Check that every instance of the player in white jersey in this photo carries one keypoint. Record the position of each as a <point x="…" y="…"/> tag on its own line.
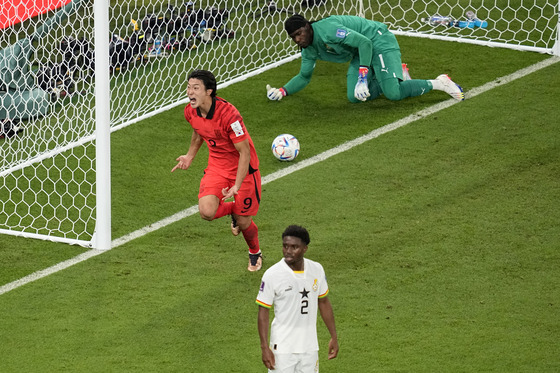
<point x="296" y="287"/>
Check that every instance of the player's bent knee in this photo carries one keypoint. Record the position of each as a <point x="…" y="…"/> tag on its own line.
<point x="206" y="217"/>
<point x="207" y="207"/>
<point x="393" y="96"/>
<point x="207" y="214"/>
<point x="392" y="89"/>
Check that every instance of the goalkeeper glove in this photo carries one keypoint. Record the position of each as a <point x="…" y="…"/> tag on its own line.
<point x="275" y="94"/>
<point x="361" y="91"/>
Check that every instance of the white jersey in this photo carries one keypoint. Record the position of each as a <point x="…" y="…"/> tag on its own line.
<point x="294" y="296"/>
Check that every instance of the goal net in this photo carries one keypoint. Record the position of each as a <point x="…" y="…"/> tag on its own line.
<point x="531" y="25"/>
<point x="48" y="86"/>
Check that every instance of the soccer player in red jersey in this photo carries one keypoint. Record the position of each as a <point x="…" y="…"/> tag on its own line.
<point x="233" y="165"/>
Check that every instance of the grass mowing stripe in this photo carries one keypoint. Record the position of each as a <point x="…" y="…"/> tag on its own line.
<point x="49" y="271"/>
<point x="285" y="171"/>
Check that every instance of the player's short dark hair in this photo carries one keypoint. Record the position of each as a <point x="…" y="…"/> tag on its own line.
<point x="207" y="78"/>
<point x="297" y="231"/>
<point x="294" y="23"/>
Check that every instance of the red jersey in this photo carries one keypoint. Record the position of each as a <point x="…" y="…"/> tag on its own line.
<point x="221" y="129"/>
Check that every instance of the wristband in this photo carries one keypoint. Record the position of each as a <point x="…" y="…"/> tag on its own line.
<point x="363" y="71"/>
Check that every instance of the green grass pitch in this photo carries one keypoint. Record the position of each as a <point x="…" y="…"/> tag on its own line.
<point x="440" y="239"/>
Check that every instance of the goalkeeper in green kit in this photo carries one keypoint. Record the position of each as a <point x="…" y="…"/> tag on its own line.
<point x="374" y="55"/>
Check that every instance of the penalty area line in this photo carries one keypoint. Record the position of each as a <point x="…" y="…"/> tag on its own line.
<point x="285" y="171"/>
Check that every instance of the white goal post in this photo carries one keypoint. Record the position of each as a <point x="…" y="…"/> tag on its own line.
<point x="76" y="70"/>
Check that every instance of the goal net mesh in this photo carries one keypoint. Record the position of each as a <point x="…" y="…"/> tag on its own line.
<point x="47" y="80"/>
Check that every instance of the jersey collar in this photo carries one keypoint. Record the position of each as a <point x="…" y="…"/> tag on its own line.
<point x="211" y="112"/>
<point x="290" y="268"/>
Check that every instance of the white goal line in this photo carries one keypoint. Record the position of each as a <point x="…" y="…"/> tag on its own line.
<point x="285" y="171"/>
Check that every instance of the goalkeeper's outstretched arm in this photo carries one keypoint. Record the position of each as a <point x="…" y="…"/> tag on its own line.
<point x="296" y="84"/>
<point x="293" y="86"/>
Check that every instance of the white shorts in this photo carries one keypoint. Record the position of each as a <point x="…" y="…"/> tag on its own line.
<point x="307" y="362"/>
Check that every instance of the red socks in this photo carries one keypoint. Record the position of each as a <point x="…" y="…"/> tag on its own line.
<point x="251" y="236"/>
<point x="224" y="209"/>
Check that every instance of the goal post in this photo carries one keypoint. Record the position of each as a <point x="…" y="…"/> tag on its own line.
<point x="556" y="47"/>
<point x="102" y="235"/>
<point x="98" y="66"/>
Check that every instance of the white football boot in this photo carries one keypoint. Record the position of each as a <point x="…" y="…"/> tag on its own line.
<point x="444" y="83"/>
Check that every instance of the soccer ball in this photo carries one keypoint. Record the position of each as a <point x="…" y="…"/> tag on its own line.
<point x="285" y="147"/>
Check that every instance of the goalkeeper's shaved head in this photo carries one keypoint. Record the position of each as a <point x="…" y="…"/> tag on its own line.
<point x="207" y="78"/>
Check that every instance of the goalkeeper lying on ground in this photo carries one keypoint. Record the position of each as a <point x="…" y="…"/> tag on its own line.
<point x="374" y="55"/>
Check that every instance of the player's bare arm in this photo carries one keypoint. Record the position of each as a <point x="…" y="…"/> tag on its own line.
<point x="267" y="354"/>
<point x="184" y="161"/>
<point x="327" y="314"/>
<point x="242" y="168"/>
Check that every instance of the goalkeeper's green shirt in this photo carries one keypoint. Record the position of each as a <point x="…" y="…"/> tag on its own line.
<point x="339" y="39"/>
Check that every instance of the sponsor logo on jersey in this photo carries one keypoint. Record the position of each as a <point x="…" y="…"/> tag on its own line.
<point x="290" y="288"/>
<point x="237" y="128"/>
<point x="340" y="33"/>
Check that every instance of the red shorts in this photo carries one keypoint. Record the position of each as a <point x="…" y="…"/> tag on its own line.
<point x="248" y="197"/>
